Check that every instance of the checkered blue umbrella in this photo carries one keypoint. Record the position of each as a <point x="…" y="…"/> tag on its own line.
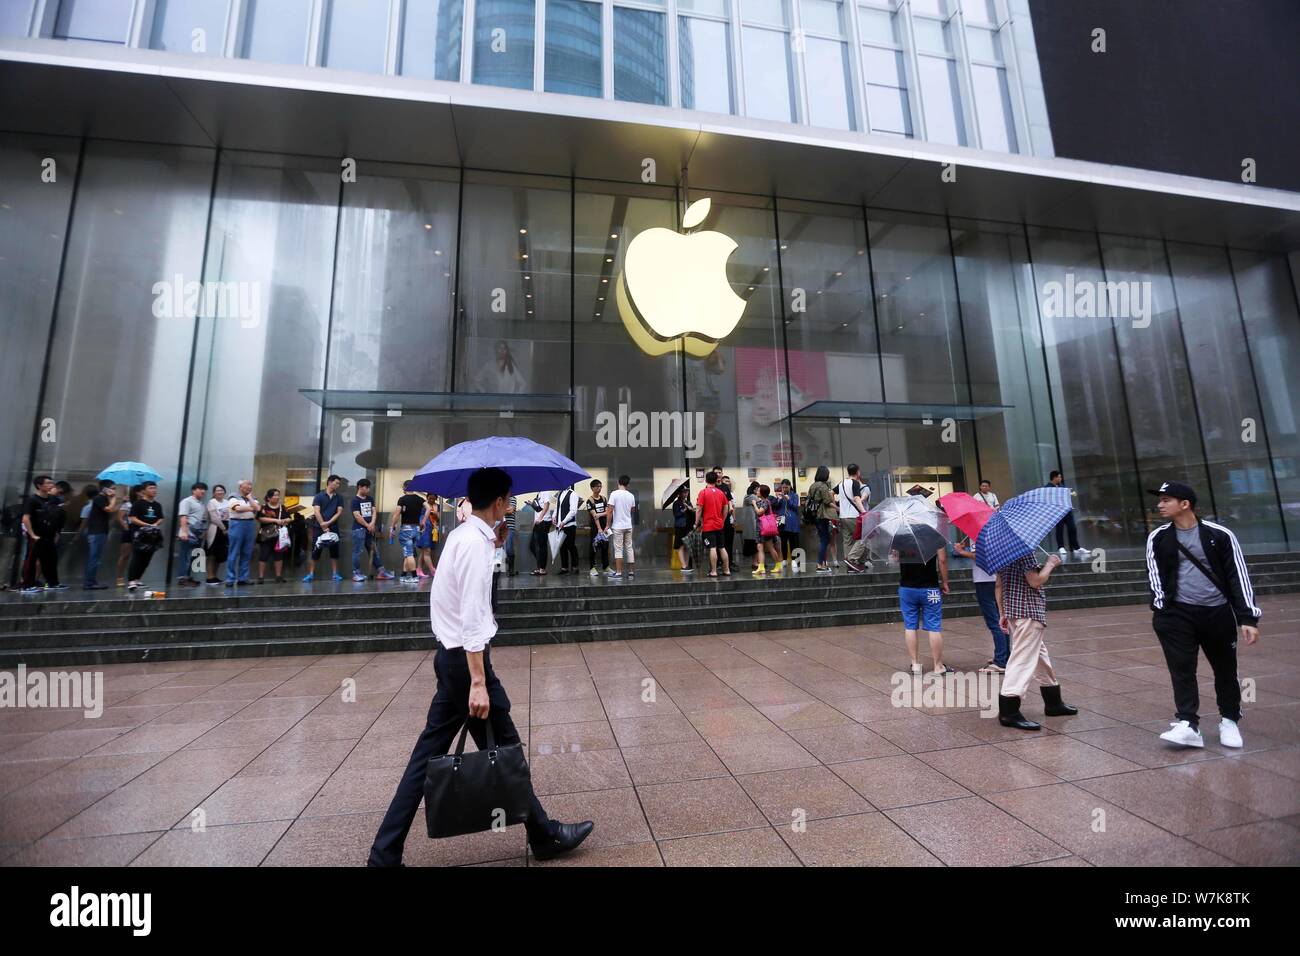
<point x="1015" y="529"/>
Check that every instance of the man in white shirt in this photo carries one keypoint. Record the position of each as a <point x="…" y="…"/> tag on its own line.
<point x="621" y="504"/>
<point x="460" y="610"/>
<point x="986" y="595"/>
<point x="853" y="495"/>
<point x="986" y="494"/>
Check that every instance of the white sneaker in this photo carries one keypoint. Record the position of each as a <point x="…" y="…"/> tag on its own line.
<point x="594" y="572"/>
<point x="1062" y="552"/>
<point x="1180" y="732"/>
<point x="1229" y="733"/>
<point x="1082" y="553"/>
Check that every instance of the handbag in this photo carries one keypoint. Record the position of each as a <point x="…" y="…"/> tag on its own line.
<point x="767" y="524"/>
<point x="282" y="542"/>
<point x="470" y="793"/>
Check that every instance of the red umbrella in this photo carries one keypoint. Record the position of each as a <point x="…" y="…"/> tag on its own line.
<point x="967" y="513"/>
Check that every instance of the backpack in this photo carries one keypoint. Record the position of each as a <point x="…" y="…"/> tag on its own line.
<point x="811" y="509"/>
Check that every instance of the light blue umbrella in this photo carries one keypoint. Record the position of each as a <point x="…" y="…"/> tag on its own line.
<point x="128" y="473"/>
<point x="1015" y="529"/>
<point x="532" y="467"/>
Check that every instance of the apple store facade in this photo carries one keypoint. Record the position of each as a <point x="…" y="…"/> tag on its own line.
<point x="324" y="291"/>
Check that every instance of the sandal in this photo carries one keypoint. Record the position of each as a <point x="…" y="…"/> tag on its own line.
<point x="712" y="574"/>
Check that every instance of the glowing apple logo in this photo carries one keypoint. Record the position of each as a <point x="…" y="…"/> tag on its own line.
<point x="674" y="286"/>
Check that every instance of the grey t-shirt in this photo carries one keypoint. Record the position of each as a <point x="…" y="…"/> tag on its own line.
<point x="1193" y="586"/>
<point x="197" y="513"/>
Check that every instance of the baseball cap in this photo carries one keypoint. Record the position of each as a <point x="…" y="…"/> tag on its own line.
<point x="1175" y="489"/>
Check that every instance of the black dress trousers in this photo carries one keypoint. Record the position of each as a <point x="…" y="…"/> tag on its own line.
<point x="447" y="714"/>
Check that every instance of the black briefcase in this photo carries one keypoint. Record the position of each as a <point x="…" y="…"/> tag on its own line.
<point x="469" y="793"/>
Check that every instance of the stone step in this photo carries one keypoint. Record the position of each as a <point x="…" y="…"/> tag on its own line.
<point x="221" y="600"/>
<point x="413" y="634"/>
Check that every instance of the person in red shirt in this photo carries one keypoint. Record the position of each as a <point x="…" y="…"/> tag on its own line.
<point x="710" y="517"/>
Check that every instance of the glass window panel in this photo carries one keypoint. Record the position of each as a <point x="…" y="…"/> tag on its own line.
<point x="717" y="8"/>
<point x="878" y="25"/>
<point x="431" y="37"/>
<point x="276" y="30"/>
<point x="273" y="228"/>
<point x="503" y="43"/>
<point x="889" y="109"/>
<point x="830" y="83"/>
<point x="772" y="12"/>
<point x="822" y="16"/>
<point x="941" y="100"/>
<point x="356" y="35"/>
<point x="610" y="369"/>
<point x="1220" y="360"/>
<point x="937" y="7"/>
<point x="1004" y="355"/>
<point x="1273" y="331"/>
<point x="33" y="221"/>
<point x="640" y="57"/>
<point x="983" y="44"/>
<point x="704" y="51"/>
<point x="769" y="76"/>
<point x="993" y="103"/>
<point x="1153" y="362"/>
<point x="978" y="11"/>
<point x="106" y="20"/>
<point x="175" y="23"/>
<point x="516" y="255"/>
<point x="931" y="35"/>
<point x="137" y="240"/>
<point x="1092" y="419"/>
<point x="573" y="47"/>
<point x="15" y="17"/>
<point x="393" y="284"/>
<point x="883" y="66"/>
<point x="921" y="345"/>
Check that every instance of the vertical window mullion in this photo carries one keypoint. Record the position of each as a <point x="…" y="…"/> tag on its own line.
<point x="539" y="46"/>
<point x="396" y="16"/>
<point x="799" y="63"/>
<point x="138" y="33"/>
<point x="857" y="70"/>
<point x="607" y="48"/>
<point x="913" y="69"/>
<point x="236" y="24"/>
<point x="674" y="63"/>
<point x="737" y="60"/>
<point x="468" y="30"/>
<point x="316" y="33"/>
<point x="1011" y="57"/>
<point x="968" y="108"/>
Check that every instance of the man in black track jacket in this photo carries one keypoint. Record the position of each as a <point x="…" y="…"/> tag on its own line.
<point x="1201" y="596"/>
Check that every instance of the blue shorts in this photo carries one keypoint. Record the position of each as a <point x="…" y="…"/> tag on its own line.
<point x="407" y="535"/>
<point x="921" y="605"/>
<point x="425" y="539"/>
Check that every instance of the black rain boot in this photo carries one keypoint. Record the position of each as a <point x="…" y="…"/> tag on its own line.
<point x="1009" y="714"/>
<point x="1053" y="706"/>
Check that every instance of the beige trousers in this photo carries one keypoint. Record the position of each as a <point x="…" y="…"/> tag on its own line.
<point x="1028" y="660"/>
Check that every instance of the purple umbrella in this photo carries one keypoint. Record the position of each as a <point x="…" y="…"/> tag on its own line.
<point x="532" y="467"/>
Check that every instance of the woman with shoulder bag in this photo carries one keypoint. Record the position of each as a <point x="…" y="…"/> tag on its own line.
<point x="272" y="536"/>
<point x="821" y="503"/>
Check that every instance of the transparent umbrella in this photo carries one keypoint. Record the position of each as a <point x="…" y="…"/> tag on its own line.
<point x="907" y="529"/>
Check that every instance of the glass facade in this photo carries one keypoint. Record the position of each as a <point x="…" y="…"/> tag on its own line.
<point x="960" y="73"/>
<point x="223" y="316"/>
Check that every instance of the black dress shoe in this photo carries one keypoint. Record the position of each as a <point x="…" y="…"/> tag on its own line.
<point x="1009" y="714"/>
<point x="567" y="837"/>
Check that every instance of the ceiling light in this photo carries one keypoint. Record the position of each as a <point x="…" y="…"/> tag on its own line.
<point x="428" y="225"/>
<point x="523" y="232"/>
